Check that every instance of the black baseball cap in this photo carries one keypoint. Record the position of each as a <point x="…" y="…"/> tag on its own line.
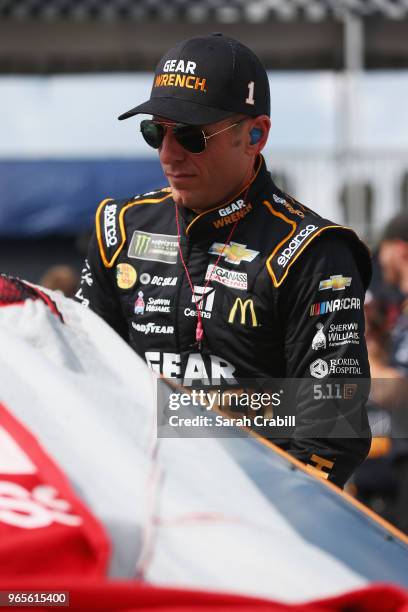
<point x="206" y="79"/>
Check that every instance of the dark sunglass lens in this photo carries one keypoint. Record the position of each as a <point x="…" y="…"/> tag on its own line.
<point x="153" y="133"/>
<point x="190" y="137"/>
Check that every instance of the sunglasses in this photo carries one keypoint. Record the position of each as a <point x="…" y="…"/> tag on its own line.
<point x="191" y="137"/>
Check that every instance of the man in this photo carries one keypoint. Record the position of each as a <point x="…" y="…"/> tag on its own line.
<point x="221" y="276"/>
<point x="393" y="259"/>
<point x="382" y="481"/>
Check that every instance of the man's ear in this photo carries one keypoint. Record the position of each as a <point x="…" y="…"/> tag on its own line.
<point x="257" y="134"/>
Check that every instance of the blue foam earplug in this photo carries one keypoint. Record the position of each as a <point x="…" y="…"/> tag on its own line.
<point x="256" y="135"/>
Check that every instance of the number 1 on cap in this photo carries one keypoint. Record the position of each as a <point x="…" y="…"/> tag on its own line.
<point x="250" y="98"/>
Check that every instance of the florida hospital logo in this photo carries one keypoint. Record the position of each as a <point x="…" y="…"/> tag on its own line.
<point x="319" y="368"/>
<point x="243" y="306"/>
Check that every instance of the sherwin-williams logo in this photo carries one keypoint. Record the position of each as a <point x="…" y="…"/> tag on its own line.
<point x="233" y="252"/>
<point x="337" y="283"/>
<point x="322" y="308"/>
<point x="319" y="340"/>
<point x="245" y="308"/>
<point x="294" y="244"/>
<point x="153" y="247"/>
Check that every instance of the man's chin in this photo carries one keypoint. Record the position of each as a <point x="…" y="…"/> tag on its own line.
<point x="182" y="198"/>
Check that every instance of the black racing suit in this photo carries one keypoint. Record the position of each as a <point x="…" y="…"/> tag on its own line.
<point x="285" y="301"/>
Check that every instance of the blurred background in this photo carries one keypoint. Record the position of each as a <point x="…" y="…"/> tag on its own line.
<point x="338" y="72"/>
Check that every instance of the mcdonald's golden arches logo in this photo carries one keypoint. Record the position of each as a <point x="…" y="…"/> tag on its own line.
<point x="248" y="305"/>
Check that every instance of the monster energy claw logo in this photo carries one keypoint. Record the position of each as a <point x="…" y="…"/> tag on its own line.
<point x="153" y="247"/>
<point x="142" y="244"/>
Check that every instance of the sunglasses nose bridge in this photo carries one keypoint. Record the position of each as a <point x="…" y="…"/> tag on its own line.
<point x="170" y="149"/>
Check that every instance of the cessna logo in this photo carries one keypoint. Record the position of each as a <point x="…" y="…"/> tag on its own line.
<point x="109" y="216"/>
<point x="233" y="252"/>
<point x="294" y="244"/>
<point x="248" y="305"/>
<point x="337" y="283"/>
<point x="153" y="247"/>
<point x="203" y="299"/>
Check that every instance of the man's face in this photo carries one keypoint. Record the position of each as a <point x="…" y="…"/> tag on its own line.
<point x="389" y="257"/>
<point x="201" y="181"/>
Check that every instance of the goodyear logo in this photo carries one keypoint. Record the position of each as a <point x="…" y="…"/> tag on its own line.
<point x="337" y="283"/>
<point x="153" y="247"/>
<point x="244" y="308"/>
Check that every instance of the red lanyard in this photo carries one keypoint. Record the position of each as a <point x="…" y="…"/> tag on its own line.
<point x="199" y="332"/>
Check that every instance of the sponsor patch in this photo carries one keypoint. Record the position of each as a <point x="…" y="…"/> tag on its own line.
<point x="126" y="276"/>
<point x="153" y="247"/>
<point x="205" y="302"/>
<point x="139" y="306"/>
<point x="229" y="278"/>
<point x="152" y="328"/>
<point x="157" y="305"/>
<point x="233" y="252"/>
<point x="336" y="283"/>
<point x="86" y="274"/>
<point x="244" y="311"/>
<point x="319" y="368"/>
<point x="348" y="303"/>
<point x="337" y="335"/>
<point x="109" y="225"/>
<point x="319" y="341"/>
<point x="288" y="206"/>
<point x="295" y="243"/>
<point x="342" y="365"/>
<point x="345" y="365"/>
<point x="160" y="281"/>
<point x="233" y="217"/>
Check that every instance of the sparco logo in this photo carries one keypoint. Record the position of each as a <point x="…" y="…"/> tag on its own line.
<point x="110" y="225"/>
<point x="152" y="328"/>
<point x="294" y="244"/>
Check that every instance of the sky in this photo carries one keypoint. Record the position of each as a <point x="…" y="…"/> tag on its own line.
<point x="75" y="116"/>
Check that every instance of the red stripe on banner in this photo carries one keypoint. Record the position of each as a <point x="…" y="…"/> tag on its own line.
<point x="44" y="527"/>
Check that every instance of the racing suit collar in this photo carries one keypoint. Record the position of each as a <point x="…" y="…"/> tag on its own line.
<point x="225" y="214"/>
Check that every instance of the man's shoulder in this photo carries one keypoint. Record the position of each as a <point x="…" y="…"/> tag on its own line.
<point x="114" y="216"/>
<point x="301" y="234"/>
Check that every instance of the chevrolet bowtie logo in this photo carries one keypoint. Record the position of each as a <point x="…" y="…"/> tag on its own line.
<point x="243" y="306"/>
<point x="233" y="252"/>
<point x="337" y="283"/>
